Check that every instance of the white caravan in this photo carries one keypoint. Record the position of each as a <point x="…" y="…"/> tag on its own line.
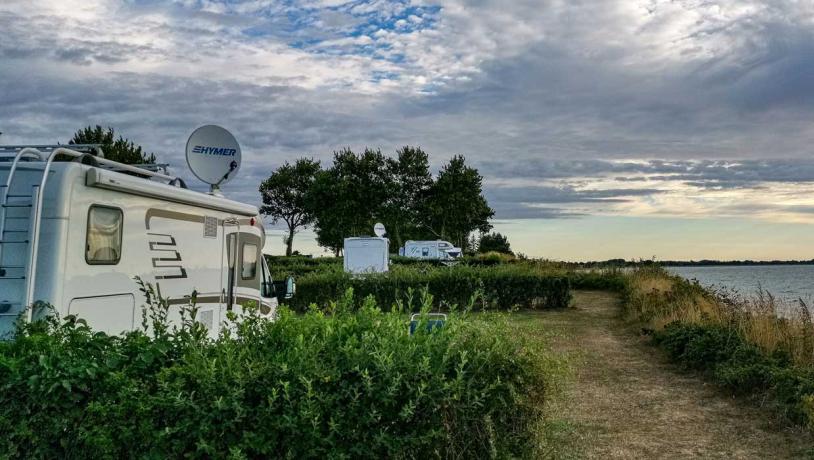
<point x="430" y="250"/>
<point x="76" y="233"/>
<point x="366" y="255"/>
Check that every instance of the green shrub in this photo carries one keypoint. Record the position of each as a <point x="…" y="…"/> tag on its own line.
<point x="345" y="385"/>
<point x="297" y="266"/>
<point x="741" y="367"/>
<point x="413" y="262"/>
<point x="502" y="287"/>
<point x="489" y="259"/>
<point x="598" y="279"/>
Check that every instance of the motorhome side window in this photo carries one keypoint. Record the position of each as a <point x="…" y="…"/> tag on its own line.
<point x="249" y="269"/>
<point x="104" y="239"/>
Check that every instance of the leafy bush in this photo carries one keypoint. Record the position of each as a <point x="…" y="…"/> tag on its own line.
<point x="489" y="258"/>
<point x="599" y="279"/>
<point x="742" y="367"/>
<point x="297" y="266"/>
<point x="502" y="287"/>
<point x="345" y="385"/>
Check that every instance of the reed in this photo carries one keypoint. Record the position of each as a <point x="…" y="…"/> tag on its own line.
<point x="751" y="345"/>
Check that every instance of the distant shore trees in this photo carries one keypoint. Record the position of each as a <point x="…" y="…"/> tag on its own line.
<point x="360" y="189"/>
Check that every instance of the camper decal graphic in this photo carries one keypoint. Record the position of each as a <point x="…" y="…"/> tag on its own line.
<point x="163" y="248"/>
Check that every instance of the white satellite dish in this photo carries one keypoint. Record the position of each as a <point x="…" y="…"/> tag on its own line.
<point x="213" y="155"/>
<point x="379" y="230"/>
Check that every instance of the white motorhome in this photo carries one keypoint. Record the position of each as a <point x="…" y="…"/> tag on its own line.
<point x="76" y="233"/>
<point x="430" y="250"/>
<point x="366" y="255"/>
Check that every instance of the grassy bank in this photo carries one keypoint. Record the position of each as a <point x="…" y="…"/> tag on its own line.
<point x="349" y="385"/>
<point x="744" y="345"/>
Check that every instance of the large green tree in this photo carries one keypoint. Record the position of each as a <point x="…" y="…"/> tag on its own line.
<point x="456" y="205"/>
<point x="410" y="182"/>
<point x="348" y="198"/>
<point x="494" y="242"/>
<point x="284" y="196"/>
<point x="121" y="149"/>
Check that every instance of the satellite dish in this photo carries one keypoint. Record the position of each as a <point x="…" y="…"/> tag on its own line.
<point x="213" y="155"/>
<point x="378" y="229"/>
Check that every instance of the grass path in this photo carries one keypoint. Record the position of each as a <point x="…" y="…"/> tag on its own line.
<point x="623" y="399"/>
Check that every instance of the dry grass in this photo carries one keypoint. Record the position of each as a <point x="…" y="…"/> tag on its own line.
<point x="660" y="298"/>
<point x="625" y="400"/>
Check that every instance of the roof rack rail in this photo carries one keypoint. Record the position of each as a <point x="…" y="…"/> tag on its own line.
<point x="97" y="148"/>
<point x="80" y="151"/>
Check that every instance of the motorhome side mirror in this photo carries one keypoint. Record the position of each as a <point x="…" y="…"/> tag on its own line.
<point x="268" y="289"/>
<point x="290" y="287"/>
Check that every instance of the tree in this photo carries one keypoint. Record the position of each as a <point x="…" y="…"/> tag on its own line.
<point x="456" y="206"/>
<point x="494" y="242"/>
<point x="347" y="199"/>
<point x="410" y="182"/>
<point x="121" y="149"/>
<point x="284" y="196"/>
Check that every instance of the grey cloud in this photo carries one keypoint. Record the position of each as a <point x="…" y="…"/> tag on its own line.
<point x="748" y="208"/>
<point x="535" y="202"/>
<point x="515" y="211"/>
<point x="564" y="194"/>
<point x="554" y="107"/>
<point x="701" y="173"/>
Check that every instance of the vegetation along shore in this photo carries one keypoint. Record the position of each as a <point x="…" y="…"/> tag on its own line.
<point x="535" y="360"/>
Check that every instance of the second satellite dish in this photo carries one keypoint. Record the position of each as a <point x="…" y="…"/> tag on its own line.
<point x="213" y="155"/>
<point x="379" y="230"/>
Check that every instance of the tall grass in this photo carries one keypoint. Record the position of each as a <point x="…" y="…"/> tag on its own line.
<point x="655" y="296"/>
<point x="747" y="344"/>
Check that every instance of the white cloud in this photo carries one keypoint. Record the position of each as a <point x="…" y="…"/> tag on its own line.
<point x="523" y="81"/>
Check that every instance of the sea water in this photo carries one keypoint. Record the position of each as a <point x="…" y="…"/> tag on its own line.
<point x="787" y="283"/>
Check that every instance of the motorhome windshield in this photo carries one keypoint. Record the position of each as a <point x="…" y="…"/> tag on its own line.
<point x="267" y="287"/>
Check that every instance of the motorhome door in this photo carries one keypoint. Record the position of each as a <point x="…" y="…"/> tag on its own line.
<point x="231" y="232"/>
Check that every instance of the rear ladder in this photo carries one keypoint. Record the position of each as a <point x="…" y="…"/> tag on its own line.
<point x="18" y="215"/>
<point x="20" y="219"/>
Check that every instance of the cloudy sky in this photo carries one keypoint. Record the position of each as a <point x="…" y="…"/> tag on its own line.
<point x="604" y="128"/>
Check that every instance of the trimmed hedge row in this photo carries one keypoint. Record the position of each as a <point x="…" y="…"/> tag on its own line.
<point x="742" y="367"/>
<point x="609" y="280"/>
<point x="346" y="385"/>
<point x="499" y="287"/>
<point x="297" y="266"/>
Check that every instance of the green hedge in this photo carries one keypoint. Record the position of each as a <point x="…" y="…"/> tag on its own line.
<point x="742" y="367"/>
<point x="500" y="287"/>
<point x="598" y="279"/>
<point x="297" y="266"/>
<point x="347" y="385"/>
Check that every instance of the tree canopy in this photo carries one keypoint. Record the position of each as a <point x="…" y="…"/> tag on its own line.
<point x="121" y="149"/>
<point x="405" y="211"/>
<point x="348" y="198"/>
<point x="456" y="203"/>
<point x="360" y="189"/>
<point x="284" y="196"/>
<point x="494" y="242"/>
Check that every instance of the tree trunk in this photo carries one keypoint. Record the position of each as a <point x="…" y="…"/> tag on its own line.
<point x="397" y="239"/>
<point x="290" y="242"/>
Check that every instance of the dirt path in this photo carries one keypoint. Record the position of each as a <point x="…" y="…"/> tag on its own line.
<point x="624" y="400"/>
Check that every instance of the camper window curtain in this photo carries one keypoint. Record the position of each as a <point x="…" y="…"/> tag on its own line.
<point x="104" y="241"/>
<point x="249" y="269"/>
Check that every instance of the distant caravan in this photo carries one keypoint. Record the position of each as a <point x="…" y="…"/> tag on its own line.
<point x="367" y="255"/>
<point x="430" y="250"/>
<point x="76" y="233"/>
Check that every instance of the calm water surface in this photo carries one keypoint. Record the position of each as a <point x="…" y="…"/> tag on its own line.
<point x="786" y="282"/>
